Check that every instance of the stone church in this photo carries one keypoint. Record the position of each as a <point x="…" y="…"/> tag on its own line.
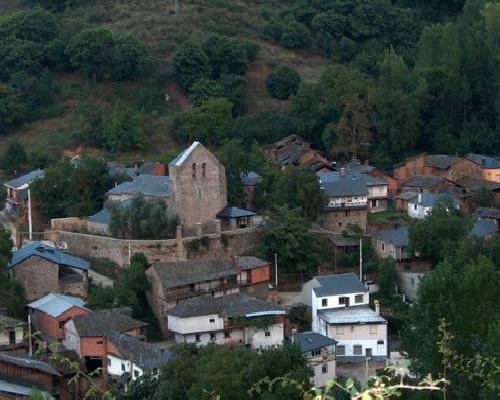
<point x="197" y="185"/>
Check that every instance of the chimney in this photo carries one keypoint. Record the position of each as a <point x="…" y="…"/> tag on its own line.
<point x="377" y="307"/>
<point x="342" y="171"/>
<point x="419" y="197"/>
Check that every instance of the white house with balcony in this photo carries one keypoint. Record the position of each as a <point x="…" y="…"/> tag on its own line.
<point x="341" y="311"/>
<point x="234" y="319"/>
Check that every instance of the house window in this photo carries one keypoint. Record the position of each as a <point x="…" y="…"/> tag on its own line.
<point x="339" y="330"/>
<point x="109" y="362"/>
<point x="324" y="368"/>
<point x="412" y="282"/>
<point x="415" y="207"/>
<point x="99" y="342"/>
<point x="340" y="224"/>
<point x="267" y="333"/>
<point x="136" y="374"/>
<point x="197" y="338"/>
<point x="324" y="302"/>
<point x="203" y="169"/>
<point x="357" y="349"/>
<point x="194" y="170"/>
<point x="212" y="320"/>
<point x="374" y="203"/>
<point x="155" y="371"/>
<point x="344" y="301"/>
<point x="341" y="350"/>
<point x="213" y="336"/>
<point x="192" y="287"/>
<point x="373" y="329"/>
<point x="381" y="342"/>
<point x="358" y="298"/>
<point x="346" y="213"/>
<point x="227" y="335"/>
<point x="316" y="353"/>
<point x="123" y="367"/>
<point x="383" y="247"/>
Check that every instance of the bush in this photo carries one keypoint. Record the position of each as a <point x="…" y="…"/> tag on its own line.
<point x="123" y="131"/>
<point x="191" y="64"/>
<point x="294" y="35"/>
<point x="283" y="83"/>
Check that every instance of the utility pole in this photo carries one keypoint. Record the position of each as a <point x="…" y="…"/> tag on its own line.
<point x="30" y="339"/>
<point x="361" y="259"/>
<point x="276" y="270"/>
<point x="176" y="7"/>
<point x="30" y="222"/>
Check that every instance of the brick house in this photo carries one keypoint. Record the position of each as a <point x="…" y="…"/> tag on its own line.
<point x="172" y="283"/>
<point x="86" y="334"/>
<point x="319" y="352"/>
<point x="234" y="319"/>
<point x="16" y="202"/>
<point x="50" y="313"/>
<point x="347" y="205"/>
<point x="42" y="268"/>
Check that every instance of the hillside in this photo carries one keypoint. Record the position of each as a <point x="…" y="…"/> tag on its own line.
<point x="156" y="25"/>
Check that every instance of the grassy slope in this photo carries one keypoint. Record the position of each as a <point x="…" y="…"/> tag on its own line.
<point x="154" y="23"/>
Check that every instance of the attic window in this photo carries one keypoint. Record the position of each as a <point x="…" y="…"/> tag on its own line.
<point x="194" y="170"/>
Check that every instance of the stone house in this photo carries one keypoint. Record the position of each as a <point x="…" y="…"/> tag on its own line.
<point x="50" y="313"/>
<point x="234" y="319"/>
<point x="232" y="218"/>
<point x="86" y="335"/>
<point x="150" y="186"/>
<point x="11" y="333"/>
<point x="424" y="184"/>
<point x="16" y="201"/>
<point x="347" y="205"/>
<point x="42" y="268"/>
<point x="472" y="185"/>
<point x="128" y="358"/>
<point x="341" y="311"/>
<point x="486" y="167"/>
<point x="173" y="283"/>
<point x="438" y="165"/>
<point x="377" y="187"/>
<point x="249" y="181"/>
<point x="392" y="243"/>
<point x="488" y="213"/>
<point x="319" y="351"/>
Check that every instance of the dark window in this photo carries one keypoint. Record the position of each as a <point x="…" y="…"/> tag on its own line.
<point x="324" y="302"/>
<point x="268" y="333"/>
<point x="324" y="369"/>
<point x="380" y="342"/>
<point x="358" y="298"/>
<point x="340" y="224"/>
<point x="136" y="374"/>
<point x="203" y="169"/>
<point x="341" y="350"/>
<point x="315" y="353"/>
<point x="346" y="213"/>
<point x="212" y="320"/>
<point x="357" y="349"/>
<point x="155" y="371"/>
<point x="109" y="362"/>
<point x="344" y="301"/>
<point x="192" y="287"/>
<point x="194" y="170"/>
<point x="197" y="337"/>
<point x="374" y="203"/>
<point x="99" y="342"/>
<point x="213" y="336"/>
<point x="227" y="335"/>
<point x="123" y="367"/>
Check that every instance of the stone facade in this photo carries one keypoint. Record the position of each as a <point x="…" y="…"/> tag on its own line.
<point x="197" y="185"/>
<point x="337" y="221"/>
<point x="40" y="277"/>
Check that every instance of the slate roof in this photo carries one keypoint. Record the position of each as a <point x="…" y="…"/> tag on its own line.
<point x="407" y="195"/>
<point x="26" y="362"/>
<point x="345" y="187"/>
<point x="340" y="240"/>
<point x="484" y="161"/>
<point x="55" y="304"/>
<point x="104" y="322"/>
<point x="234" y="212"/>
<point x="250" y="178"/>
<point x="475" y="184"/>
<point x="14" y="388"/>
<point x="145" y="355"/>
<point x="440" y="161"/>
<point x="309" y="341"/>
<point x="484" y="227"/>
<point x="287" y="139"/>
<point x="22" y="180"/>
<point x="148" y="185"/>
<point x="398" y="236"/>
<point x="351" y="315"/>
<point x="230" y="305"/>
<point x="331" y="285"/>
<point x="8" y="322"/>
<point x="177" y="161"/>
<point x="421" y="181"/>
<point x="488" y="212"/>
<point x="175" y="274"/>
<point x="49" y="253"/>
<point x="104" y="216"/>
<point x="429" y="199"/>
<point x="336" y="176"/>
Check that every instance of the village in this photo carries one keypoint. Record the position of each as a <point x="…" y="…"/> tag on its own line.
<point x="208" y="282"/>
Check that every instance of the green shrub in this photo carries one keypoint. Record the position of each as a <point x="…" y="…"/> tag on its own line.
<point x="283" y="83"/>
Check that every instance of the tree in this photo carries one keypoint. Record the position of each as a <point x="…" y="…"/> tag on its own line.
<point x="130" y="57"/>
<point x="15" y="157"/>
<point x="387" y="277"/>
<point x="226" y="56"/>
<point x="191" y="64"/>
<point x="141" y="219"/>
<point x="287" y="235"/>
<point x="283" y="83"/>
<point x="294" y="35"/>
<point x="12" y="108"/>
<point x="143" y="387"/>
<point x="484" y="198"/>
<point x="205" y="89"/>
<point x="299" y="188"/>
<point x="433" y="236"/>
<point x="72" y="191"/>
<point x="211" y="122"/>
<point x="123" y="131"/>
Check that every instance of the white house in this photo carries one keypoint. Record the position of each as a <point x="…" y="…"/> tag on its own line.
<point x="319" y="351"/>
<point x="128" y="357"/>
<point x="421" y="205"/>
<point x="234" y="319"/>
<point x="340" y="310"/>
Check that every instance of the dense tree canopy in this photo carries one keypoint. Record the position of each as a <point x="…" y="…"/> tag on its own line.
<point x="283" y="83"/>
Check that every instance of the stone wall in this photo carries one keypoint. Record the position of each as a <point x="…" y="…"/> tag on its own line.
<point x="119" y="250"/>
<point x="38" y="277"/>
<point x="337" y="221"/>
